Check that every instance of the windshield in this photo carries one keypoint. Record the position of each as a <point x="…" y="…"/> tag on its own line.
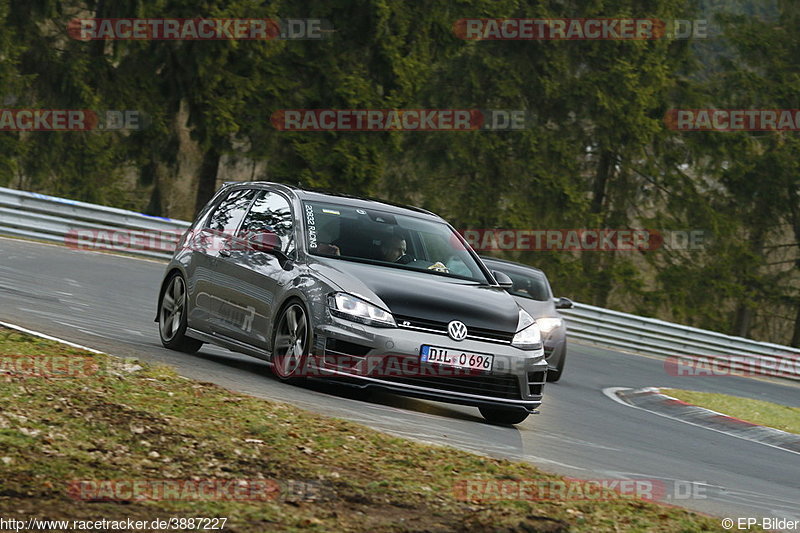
<point x="387" y="239"/>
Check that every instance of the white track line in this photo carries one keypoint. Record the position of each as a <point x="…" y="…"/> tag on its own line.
<point x="49" y="337"/>
<point x="611" y="392"/>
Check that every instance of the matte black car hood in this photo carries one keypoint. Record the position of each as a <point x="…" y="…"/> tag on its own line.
<point x="425" y="296"/>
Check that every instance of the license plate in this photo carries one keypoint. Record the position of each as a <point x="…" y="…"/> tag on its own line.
<point x="456" y="358"/>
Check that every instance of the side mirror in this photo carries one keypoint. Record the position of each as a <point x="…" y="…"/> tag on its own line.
<point x="502" y="279"/>
<point x="564" y="303"/>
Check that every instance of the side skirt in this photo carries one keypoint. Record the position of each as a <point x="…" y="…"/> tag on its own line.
<point x="229" y="343"/>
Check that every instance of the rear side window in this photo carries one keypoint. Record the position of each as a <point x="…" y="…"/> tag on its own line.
<point x="228" y="214"/>
<point x="271" y="212"/>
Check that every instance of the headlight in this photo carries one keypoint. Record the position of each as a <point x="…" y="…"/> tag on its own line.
<point x="549" y="324"/>
<point x="352" y="308"/>
<point x="528" y="336"/>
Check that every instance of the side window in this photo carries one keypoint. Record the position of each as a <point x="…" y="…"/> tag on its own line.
<point x="271" y="212"/>
<point x="229" y="212"/>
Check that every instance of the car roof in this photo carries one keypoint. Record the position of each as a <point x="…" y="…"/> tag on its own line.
<point x="322" y="195"/>
<point x="487" y="259"/>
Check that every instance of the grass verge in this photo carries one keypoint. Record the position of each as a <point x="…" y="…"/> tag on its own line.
<point x="759" y="412"/>
<point x="125" y="420"/>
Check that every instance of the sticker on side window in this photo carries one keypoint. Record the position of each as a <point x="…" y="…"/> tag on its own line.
<point x="312" y="229"/>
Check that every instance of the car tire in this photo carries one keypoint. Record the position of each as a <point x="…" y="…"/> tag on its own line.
<point x="554" y="374"/>
<point x="291" y="342"/>
<point x="504" y="415"/>
<point x="172" y="317"/>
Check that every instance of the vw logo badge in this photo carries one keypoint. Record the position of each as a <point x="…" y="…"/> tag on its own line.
<point x="457" y="330"/>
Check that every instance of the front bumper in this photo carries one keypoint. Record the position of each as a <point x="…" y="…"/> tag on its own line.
<point x="349" y="351"/>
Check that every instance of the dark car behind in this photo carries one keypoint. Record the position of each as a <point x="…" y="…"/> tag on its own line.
<point x="532" y="291"/>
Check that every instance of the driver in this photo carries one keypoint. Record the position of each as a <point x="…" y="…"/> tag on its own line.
<point x="393" y="248"/>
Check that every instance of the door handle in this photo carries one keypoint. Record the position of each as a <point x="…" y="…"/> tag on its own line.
<point x="224" y="253"/>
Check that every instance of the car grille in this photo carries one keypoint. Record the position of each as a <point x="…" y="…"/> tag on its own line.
<point x="495" y="386"/>
<point x="440" y="328"/>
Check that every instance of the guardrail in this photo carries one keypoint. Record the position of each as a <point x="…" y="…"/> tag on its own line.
<point x="652" y="336"/>
<point x="37" y="216"/>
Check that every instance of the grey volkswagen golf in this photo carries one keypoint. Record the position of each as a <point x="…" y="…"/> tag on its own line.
<point x="368" y="293"/>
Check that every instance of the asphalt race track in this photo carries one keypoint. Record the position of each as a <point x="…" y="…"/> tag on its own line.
<point x="107" y="302"/>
